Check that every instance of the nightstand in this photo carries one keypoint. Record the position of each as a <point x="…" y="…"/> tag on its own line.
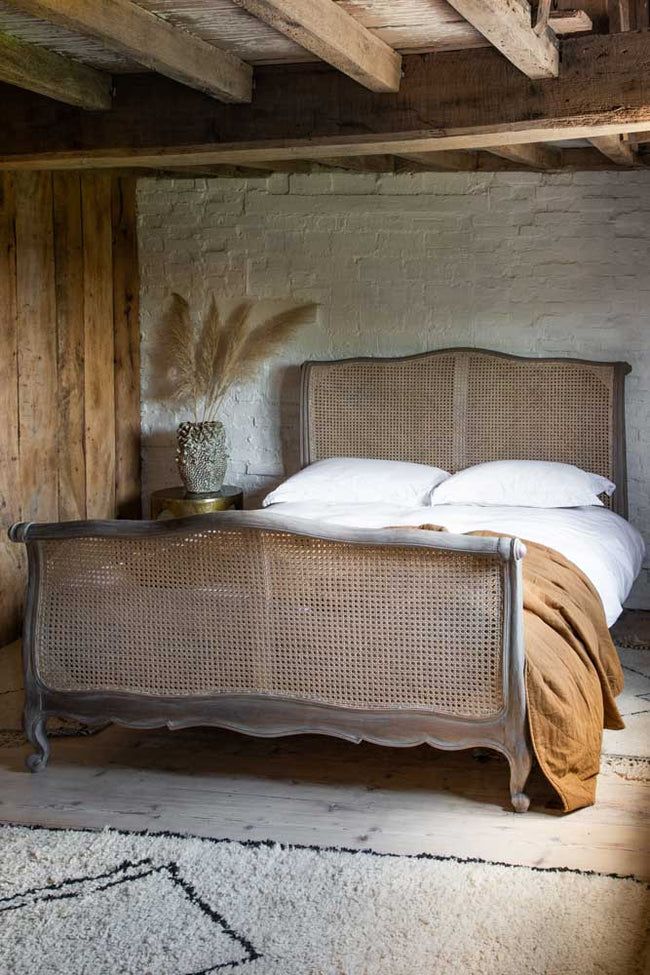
<point x="175" y="502"/>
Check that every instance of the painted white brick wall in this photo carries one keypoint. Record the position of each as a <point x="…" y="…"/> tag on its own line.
<point x="524" y="263"/>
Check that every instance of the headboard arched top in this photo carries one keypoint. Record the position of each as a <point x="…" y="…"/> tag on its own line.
<point x="456" y="407"/>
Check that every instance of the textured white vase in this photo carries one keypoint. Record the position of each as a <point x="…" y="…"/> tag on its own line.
<point x="201" y="456"/>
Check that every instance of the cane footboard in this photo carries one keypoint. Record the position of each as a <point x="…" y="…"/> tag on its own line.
<point x="261" y="624"/>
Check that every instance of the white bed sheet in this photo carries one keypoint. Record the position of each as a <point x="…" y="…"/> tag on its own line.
<point x="606" y="547"/>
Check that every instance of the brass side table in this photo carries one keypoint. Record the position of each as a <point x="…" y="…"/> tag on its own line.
<point x="175" y="502"/>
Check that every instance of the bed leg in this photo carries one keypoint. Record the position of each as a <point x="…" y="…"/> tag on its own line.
<point x="520" y="766"/>
<point x="36" y="733"/>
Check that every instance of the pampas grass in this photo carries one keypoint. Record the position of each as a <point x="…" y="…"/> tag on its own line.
<point x="201" y="361"/>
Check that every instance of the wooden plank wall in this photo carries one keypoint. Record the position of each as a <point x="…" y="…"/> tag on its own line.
<point x="69" y="358"/>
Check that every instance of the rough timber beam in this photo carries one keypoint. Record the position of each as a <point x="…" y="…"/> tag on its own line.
<point x="569" y="22"/>
<point x="570" y="160"/>
<point x="333" y="35"/>
<point x="507" y="24"/>
<point x="152" y="42"/>
<point x="617" y="148"/>
<point x="535" y="155"/>
<point x="457" y="100"/>
<point x="37" y="69"/>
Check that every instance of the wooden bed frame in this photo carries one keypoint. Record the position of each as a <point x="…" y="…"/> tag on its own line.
<point x="276" y="626"/>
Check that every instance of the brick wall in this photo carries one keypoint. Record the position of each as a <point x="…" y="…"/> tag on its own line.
<point x="523" y="263"/>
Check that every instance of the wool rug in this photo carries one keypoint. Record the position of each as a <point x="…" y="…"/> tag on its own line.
<point x="74" y="903"/>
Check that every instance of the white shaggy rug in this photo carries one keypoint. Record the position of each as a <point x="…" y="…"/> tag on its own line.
<point x="111" y="903"/>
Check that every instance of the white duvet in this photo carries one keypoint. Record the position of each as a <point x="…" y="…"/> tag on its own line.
<point x="605" y="546"/>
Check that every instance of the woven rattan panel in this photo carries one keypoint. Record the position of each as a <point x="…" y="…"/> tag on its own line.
<point x="393" y="410"/>
<point x="248" y="611"/>
<point x="523" y="410"/>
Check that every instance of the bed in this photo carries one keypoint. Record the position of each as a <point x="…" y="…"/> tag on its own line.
<point x="287" y="622"/>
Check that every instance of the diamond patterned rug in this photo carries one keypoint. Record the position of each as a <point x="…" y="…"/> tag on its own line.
<point x="75" y="903"/>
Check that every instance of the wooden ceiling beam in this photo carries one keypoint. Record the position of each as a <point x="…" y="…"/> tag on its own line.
<point x="585" y="158"/>
<point x="152" y="42"/>
<point x="534" y="154"/>
<point x="328" y="31"/>
<point x="638" y="138"/>
<point x="581" y="159"/>
<point x="642" y="14"/>
<point x="565" y="22"/>
<point x="37" y="69"/>
<point x="457" y="100"/>
<point x="619" y="15"/>
<point x="617" y="148"/>
<point x="507" y="24"/>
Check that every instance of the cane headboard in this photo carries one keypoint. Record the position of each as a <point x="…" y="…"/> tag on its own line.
<point x="457" y="407"/>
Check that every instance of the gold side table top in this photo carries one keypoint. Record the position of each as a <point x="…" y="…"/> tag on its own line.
<point x="175" y="502"/>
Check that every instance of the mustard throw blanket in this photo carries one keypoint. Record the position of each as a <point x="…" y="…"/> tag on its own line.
<point x="573" y="672"/>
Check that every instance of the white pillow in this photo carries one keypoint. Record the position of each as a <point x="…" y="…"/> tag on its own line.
<point x="354" y="481"/>
<point x="525" y="483"/>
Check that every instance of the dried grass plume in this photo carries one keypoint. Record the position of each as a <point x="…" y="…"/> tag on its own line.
<point x="202" y="360"/>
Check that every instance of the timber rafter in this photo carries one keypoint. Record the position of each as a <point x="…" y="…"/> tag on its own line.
<point x="458" y="100"/>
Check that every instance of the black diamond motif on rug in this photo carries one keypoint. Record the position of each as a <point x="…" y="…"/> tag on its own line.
<point x="139" y="917"/>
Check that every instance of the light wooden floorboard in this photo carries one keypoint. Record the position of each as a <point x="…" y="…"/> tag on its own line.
<point x="320" y="791"/>
<point x="316" y="790"/>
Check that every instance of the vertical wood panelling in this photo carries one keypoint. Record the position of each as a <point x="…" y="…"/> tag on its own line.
<point x="37" y="374"/>
<point x="68" y="250"/>
<point x="99" y="346"/>
<point x="69" y="359"/>
<point x="126" y="293"/>
<point x="10" y="507"/>
<point x="12" y="558"/>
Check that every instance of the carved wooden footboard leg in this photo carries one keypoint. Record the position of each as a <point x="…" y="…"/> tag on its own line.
<point x="36" y="734"/>
<point x="520" y="766"/>
<point x="34" y="718"/>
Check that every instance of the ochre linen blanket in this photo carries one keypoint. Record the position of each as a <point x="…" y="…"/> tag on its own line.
<point x="573" y="672"/>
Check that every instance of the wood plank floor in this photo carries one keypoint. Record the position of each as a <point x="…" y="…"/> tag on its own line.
<point x="316" y="790"/>
<point x="320" y="791"/>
